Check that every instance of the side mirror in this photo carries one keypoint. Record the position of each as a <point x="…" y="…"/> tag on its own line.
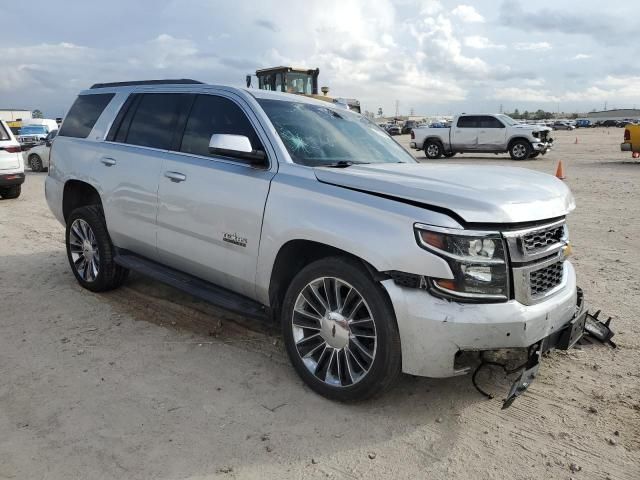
<point x="236" y="146"/>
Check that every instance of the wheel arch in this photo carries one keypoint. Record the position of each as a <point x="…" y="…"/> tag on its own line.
<point x="296" y="254"/>
<point x="512" y="140"/>
<point x="76" y="194"/>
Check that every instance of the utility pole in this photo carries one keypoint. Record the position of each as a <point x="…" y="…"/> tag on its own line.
<point x="500" y="108"/>
<point x="397" y="107"/>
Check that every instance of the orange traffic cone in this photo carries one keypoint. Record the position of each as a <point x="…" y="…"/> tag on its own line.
<point x="560" y="171"/>
<point x="576" y="142"/>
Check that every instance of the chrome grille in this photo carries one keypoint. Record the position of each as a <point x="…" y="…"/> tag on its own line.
<point x="546" y="279"/>
<point x="543" y="238"/>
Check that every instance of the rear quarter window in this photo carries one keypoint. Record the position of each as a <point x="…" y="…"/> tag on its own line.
<point x="84" y="114"/>
<point x="4" y="135"/>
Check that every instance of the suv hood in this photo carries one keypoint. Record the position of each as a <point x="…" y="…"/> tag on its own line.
<point x="486" y="194"/>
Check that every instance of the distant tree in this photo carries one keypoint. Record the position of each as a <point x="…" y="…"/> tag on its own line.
<point x="37" y="114"/>
<point x="379" y="111"/>
<point x="574" y="116"/>
<point x="516" y="114"/>
<point x="525" y="115"/>
<point x="540" y="115"/>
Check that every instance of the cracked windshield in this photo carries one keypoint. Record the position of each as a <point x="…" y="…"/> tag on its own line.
<point x="320" y="136"/>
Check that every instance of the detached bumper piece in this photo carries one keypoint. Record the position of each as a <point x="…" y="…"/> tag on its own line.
<point x="581" y="327"/>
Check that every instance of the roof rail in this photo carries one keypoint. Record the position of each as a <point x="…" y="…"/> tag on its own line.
<point x="179" y="81"/>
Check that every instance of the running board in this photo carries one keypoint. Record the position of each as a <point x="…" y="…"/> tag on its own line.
<point x="202" y="289"/>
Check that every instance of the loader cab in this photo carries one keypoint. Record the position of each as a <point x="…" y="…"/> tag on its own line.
<point x="288" y="80"/>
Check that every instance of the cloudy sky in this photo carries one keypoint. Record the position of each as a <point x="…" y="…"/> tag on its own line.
<point x="431" y="56"/>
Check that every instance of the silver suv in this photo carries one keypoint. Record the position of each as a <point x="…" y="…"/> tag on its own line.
<point x="293" y="210"/>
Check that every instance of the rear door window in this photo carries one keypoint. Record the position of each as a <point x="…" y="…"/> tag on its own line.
<point x="468" y="122"/>
<point x="213" y="114"/>
<point x="154" y="121"/>
<point x="84" y="114"/>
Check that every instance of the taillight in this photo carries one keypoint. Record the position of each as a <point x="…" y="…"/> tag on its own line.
<point x="413" y="135"/>
<point x="627" y="135"/>
<point x="13" y="149"/>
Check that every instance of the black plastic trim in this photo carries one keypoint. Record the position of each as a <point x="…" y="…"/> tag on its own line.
<point x="178" y="81"/>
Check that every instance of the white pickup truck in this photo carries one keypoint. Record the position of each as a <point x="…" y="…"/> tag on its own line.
<point x="486" y="133"/>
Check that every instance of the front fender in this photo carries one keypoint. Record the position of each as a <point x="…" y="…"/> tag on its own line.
<point x="374" y="229"/>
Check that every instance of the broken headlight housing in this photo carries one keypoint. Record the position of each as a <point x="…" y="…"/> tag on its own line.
<point x="477" y="259"/>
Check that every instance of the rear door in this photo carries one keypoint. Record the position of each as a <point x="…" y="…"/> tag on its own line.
<point x="9" y="149"/>
<point x="492" y="133"/>
<point x="210" y="207"/>
<point x="464" y="134"/>
<point x="129" y="166"/>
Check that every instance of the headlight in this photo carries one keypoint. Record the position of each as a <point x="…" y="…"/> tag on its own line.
<point x="477" y="260"/>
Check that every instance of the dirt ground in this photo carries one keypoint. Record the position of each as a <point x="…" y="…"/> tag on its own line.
<point x="145" y="382"/>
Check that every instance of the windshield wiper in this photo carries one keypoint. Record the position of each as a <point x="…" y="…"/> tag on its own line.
<point x="343" y="164"/>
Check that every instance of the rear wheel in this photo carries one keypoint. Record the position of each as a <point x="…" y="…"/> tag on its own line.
<point x="90" y="251"/>
<point x="35" y="162"/>
<point x="340" y="330"/>
<point x="520" y="150"/>
<point x="432" y="149"/>
<point x="11" y="192"/>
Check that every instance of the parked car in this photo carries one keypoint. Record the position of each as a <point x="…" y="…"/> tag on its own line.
<point x="38" y="157"/>
<point x="631" y="141"/>
<point x="609" y="123"/>
<point x="584" y="123"/>
<point x="35" y="131"/>
<point x="483" y="134"/>
<point x="394" y="129"/>
<point x="11" y="164"/>
<point x="563" y="126"/>
<point x="289" y="209"/>
<point x="408" y="125"/>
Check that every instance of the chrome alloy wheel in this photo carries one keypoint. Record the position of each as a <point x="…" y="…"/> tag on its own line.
<point x="432" y="150"/>
<point x="519" y="151"/>
<point x="334" y="331"/>
<point x="84" y="250"/>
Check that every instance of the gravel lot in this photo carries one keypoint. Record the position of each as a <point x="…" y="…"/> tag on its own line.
<point x="145" y="382"/>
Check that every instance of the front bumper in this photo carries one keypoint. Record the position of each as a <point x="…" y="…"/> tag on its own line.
<point x="542" y="147"/>
<point x="11" y="179"/>
<point x="433" y="330"/>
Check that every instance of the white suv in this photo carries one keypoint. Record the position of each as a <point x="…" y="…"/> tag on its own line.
<point x="11" y="164"/>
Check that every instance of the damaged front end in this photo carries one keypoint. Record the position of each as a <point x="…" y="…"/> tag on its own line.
<point x="582" y="326"/>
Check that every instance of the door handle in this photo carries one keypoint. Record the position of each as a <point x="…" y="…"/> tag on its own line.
<point x="109" y="162"/>
<point x="175" y="176"/>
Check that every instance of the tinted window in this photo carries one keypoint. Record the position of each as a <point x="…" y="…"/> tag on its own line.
<point x="211" y="114"/>
<point x="154" y="120"/>
<point x="489" y="122"/>
<point x="467" y="122"/>
<point x="84" y="114"/>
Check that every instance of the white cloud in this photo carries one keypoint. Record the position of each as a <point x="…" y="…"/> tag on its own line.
<point x="480" y="43"/>
<point x="467" y="14"/>
<point x="533" y="46"/>
<point x="581" y="56"/>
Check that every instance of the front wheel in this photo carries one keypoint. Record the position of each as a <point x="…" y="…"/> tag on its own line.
<point x="520" y="150"/>
<point x="35" y="162"/>
<point x="432" y="149"/>
<point x="340" y="330"/>
<point x="90" y="251"/>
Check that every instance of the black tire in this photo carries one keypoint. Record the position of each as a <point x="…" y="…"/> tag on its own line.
<point x="449" y="154"/>
<point x="11" y="192"/>
<point x="534" y="154"/>
<point x="432" y="149"/>
<point x="35" y="162"/>
<point x="385" y="366"/>
<point x="520" y="150"/>
<point x="109" y="274"/>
